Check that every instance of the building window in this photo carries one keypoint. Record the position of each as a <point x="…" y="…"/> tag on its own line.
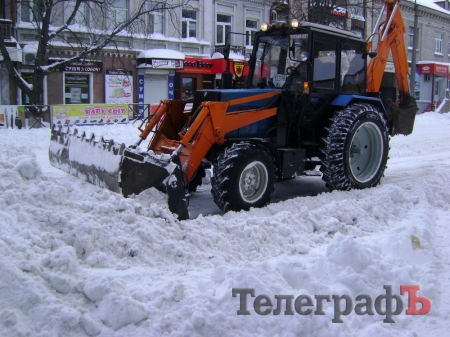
<point x="449" y="47"/>
<point x="439" y="37"/>
<point x="410" y="37"/>
<point x="324" y="75"/>
<point x="29" y="11"/>
<point x="156" y="20"/>
<point x="251" y="27"/>
<point x="119" y="12"/>
<point x="82" y="15"/>
<point x="273" y="16"/>
<point x="77" y="88"/>
<point x="223" y="27"/>
<point x="3" y="12"/>
<point x="189" y="23"/>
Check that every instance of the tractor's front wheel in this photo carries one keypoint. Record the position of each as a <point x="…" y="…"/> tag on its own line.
<point x="355" y="151"/>
<point x="244" y="177"/>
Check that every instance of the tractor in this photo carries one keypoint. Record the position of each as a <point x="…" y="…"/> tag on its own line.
<point x="311" y="98"/>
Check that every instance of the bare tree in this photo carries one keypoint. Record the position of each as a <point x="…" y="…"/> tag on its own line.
<point x="83" y="26"/>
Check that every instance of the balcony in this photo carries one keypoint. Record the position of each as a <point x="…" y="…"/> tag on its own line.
<point x="5" y="28"/>
<point x="233" y="49"/>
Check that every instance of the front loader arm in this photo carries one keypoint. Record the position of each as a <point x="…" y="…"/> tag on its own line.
<point x="391" y="39"/>
<point x="208" y="128"/>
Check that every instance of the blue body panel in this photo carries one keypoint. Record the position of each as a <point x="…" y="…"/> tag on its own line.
<point x="344" y="100"/>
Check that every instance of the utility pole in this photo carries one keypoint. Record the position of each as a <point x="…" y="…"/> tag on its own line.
<point x="412" y="79"/>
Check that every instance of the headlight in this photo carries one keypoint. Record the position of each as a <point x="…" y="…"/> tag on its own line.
<point x="294" y="23"/>
<point x="264" y="26"/>
<point x="304" y="56"/>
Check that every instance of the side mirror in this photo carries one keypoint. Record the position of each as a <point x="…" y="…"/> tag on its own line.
<point x="372" y="54"/>
<point x="292" y="49"/>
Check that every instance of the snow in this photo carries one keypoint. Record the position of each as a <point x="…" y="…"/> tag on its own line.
<point x="161" y="53"/>
<point x="430" y="4"/>
<point x="78" y="260"/>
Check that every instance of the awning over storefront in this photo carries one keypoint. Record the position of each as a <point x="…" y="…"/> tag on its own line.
<point x="434" y="68"/>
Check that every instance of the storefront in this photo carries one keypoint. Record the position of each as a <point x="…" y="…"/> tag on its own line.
<point x="77" y="82"/>
<point x="156" y="72"/>
<point x="434" y="80"/>
<point x="109" y="79"/>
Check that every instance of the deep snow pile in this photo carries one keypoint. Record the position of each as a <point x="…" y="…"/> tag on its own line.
<point x="77" y="260"/>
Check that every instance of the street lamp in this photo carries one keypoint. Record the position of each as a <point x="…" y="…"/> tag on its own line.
<point x="412" y="79"/>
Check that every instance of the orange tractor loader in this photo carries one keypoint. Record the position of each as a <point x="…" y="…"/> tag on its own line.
<point x="311" y="98"/>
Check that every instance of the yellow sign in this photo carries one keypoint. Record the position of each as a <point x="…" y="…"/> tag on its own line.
<point x="77" y="114"/>
<point x="238" y="68"/>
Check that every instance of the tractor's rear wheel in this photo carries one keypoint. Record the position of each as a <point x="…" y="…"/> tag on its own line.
<point x="244" y="177"/>
<point x="356" y="148"/>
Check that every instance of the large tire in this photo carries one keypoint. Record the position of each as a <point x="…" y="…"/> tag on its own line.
<point x="356" y="149"/>
<point x="244" y="177"/>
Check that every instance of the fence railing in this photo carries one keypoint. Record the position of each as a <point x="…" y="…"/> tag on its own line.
<point x="33" y="116"/>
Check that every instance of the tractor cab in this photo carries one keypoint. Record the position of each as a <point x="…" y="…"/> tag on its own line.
<point x="315" y="67"/>
<point x="307" y="58"/>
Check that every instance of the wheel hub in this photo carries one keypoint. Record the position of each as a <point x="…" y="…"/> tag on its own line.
<point x="253" y="182"/>
<point x="366" y="152"/>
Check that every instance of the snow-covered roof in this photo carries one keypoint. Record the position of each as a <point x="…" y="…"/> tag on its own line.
<point x="430" y="4"/>
<point x="217" y="55"/>
<point x="161" y="54"/>
<point x="434" y="62"/>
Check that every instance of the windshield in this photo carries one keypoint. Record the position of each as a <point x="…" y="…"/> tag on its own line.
<point x="277" y="56"/>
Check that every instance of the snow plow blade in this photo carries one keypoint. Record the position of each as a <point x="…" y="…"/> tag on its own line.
<point x="122" y="170"/>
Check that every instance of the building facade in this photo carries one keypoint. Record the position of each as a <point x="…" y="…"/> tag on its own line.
<point x="197" y="32"/>
<point x="432" y="73"/>
<point x="183" y="53"/>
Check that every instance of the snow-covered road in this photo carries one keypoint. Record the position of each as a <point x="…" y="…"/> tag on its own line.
<point x="76" y="260"/>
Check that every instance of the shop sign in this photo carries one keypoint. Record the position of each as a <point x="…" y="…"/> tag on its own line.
<point x="76" y="79"/>
<point x="166" y="64"/>
<point x="203" y="64"/>
<point x="141" y="95"/>
<point x="238" y="68"/>
<point x="339" y="11"/>
<point x="211" y="66"/>
<point x="84" y="66"/>
<point x="118" y="87"/>
<point x="79" y="114"/>
<point x="441" y="69"/>
<point x="433" y="68"/>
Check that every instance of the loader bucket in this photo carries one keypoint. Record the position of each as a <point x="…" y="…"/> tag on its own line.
<point x="402" y="116"/>
<point x="113" y="166"/>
